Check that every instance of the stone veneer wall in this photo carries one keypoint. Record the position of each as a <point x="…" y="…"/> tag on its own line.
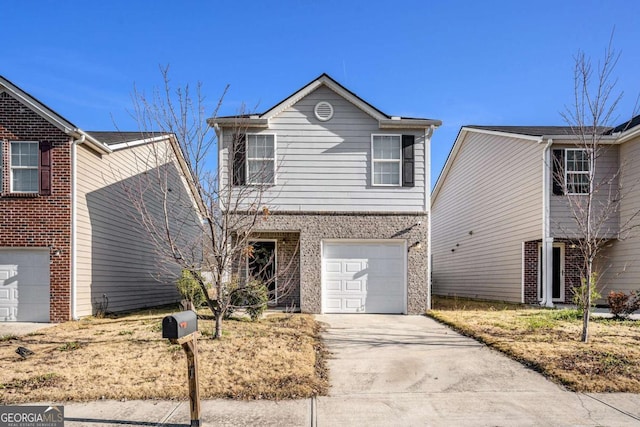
<point x="314" y="227"/>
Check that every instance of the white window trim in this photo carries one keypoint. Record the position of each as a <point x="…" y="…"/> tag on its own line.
<point x="567" y="172"/>
<point x="275" y="156"/>
<point x="275" y="265"/>
<point x="374" y="161"/>
<point x="12" y="167"/>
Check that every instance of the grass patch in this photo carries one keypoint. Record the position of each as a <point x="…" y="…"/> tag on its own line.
<point x="549" y="341"/>
<point x="279" y="357"/>
<point x="8" y="337"/>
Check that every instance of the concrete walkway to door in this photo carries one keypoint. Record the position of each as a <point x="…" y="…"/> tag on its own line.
<point x="411" y="370"/>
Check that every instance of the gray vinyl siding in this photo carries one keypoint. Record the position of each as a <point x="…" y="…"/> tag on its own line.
<point x="326" y="166"/>
<point x="488" y="205"/>
<point x="561" y="217"/>
<point x="115" y="256"/>
<point x="621" y="262"/>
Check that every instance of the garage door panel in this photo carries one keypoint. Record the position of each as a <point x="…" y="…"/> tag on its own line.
<point x="354" y="286"/>
<point x="333" y="267"/>
<point x="354" y="267"/>
<point x="24" y="285"/>
<point x="371" y="277"/>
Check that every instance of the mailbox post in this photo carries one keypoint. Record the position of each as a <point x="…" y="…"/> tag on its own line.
<point x="182" y="328"/>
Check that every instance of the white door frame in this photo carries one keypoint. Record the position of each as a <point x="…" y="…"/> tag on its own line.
<point x="560" y="245"/>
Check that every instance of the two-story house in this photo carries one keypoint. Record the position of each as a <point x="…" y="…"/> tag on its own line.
<point x="69" y="240"/>
<point x="348" y="190"/>
<point x="503" y="228"/>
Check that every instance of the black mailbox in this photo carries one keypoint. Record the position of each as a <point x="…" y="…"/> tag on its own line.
<point x="179" y="325"/>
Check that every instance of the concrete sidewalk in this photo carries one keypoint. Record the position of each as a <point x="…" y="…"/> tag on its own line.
<point x="394" y="371"/>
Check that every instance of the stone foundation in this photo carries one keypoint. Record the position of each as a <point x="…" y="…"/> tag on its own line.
<point x="313" y="228"/>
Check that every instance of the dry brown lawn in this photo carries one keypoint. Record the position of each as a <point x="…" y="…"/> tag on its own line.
<point x="279" y="357"/>
<point x="549" y="341"/>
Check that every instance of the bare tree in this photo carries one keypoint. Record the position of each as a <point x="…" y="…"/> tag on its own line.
<point x="593" y="191"/>
<point x="216" y="246"/>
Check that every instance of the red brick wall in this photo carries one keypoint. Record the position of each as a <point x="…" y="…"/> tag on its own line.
<point x="572" y="269"/>
<point x="39" y="221"/>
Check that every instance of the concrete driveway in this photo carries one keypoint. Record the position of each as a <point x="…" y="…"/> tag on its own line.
<point x="410" y="370"/>
<point x="393" y="371"/>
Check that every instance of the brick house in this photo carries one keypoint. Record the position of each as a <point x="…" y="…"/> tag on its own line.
<point x="502" y="225"/>
<point x="67" y="239"/>
<point x="348" y="186"/>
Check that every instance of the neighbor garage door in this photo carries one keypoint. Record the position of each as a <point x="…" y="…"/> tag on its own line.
<point x="24" y="285"/>
<point x="364" y="277"/>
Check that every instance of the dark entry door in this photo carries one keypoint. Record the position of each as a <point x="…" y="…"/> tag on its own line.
<point x="557" y="274"/>
<point x="262" y="266"/>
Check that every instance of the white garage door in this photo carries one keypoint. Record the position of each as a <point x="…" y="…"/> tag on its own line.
<point x="24" y="285"/>
<point x="364" y="277"/>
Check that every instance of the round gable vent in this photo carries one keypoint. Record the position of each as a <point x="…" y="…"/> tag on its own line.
<point x="323" y="111"/>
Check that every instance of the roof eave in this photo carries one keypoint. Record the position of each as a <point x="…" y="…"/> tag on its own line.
<point x="239" y="122"/>
<point x="402" y="123"/>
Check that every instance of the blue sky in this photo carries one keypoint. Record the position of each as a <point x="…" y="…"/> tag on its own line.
<point x="463" y="62"/>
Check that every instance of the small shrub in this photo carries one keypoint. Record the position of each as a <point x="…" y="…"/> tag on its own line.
<point x="100" y="307"/>
<point x="190" y="289"/>
<point x="580" y="294"/>
<point x="253" y="297"/>
<point x="622" y="305"/>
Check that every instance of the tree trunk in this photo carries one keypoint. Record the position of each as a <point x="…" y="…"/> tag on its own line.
<point x="218" y="332"/>
<point x="587" y="304"/>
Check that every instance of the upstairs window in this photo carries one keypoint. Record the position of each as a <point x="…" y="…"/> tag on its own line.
<point x="24" y="167"/>
<point x="387" y="159"/>
<point x="571" y="171"/>
<point x="261" y="159"/>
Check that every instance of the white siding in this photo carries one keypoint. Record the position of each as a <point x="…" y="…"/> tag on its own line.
<point x="621" y="262"/>
<point x="562" y="222"/>
<point x="114" y="254"/>
<point x="488" y="204"/>
<point x="326" y="166"/>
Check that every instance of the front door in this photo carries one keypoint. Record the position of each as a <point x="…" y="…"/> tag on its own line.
<point x="558" y="272"/>
<point x="262" y="266"/>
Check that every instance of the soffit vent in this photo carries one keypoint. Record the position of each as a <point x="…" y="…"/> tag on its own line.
<point x="323" y="111"/>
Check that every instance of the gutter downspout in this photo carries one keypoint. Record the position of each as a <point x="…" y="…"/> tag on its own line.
<point x="546" y="263"/>
<point x="74" y="230"/>
<point x="428" y="133"/>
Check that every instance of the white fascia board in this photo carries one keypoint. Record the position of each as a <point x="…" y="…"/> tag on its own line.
<point x="508" y="134"/>
<point x="571" y="139"/>
<point x="238" y="122"/>
<point x="39" y="108"/>
<point x="403" y="123"/>
<point x="629" y="134"/>
<point x="131" y="144"/>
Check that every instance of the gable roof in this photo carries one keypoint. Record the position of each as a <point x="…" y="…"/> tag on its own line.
<point x="51" y="116"/>
<point x="385" y="120"/>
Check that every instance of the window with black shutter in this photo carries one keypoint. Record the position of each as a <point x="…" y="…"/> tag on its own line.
<point x="558" y="172"/>
<point x="239" y="151"/>
<point x="408" y="161"/>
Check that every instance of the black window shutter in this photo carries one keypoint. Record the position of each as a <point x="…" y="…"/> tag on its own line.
<point x="239" y="148"/>
<point x="45" y="168"/>
<point x="408" y="161"/>
<point x="558" y="172"/>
